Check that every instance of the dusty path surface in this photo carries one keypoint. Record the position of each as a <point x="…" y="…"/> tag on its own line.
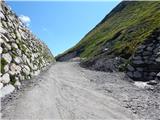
<point x="65" y="92"/>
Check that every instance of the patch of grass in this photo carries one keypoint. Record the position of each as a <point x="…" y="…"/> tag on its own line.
<point x="3" y="63"/>
<point x="122" y="67"/>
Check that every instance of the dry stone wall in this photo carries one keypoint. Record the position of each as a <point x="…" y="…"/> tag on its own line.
<point x="23" y="55"/>
<point x="145" y="63"/>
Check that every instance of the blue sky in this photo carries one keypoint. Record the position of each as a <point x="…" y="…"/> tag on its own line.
<point x="61" y="24"/>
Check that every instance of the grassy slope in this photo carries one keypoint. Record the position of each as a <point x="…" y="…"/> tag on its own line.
<point x="126" y="27"/>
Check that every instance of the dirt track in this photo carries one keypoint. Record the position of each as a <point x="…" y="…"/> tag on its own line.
<point x="65" y="91"/>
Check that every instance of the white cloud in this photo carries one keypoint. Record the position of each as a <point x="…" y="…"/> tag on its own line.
<point x="25" y="19"/>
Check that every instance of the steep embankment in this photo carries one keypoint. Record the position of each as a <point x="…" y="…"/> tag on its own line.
<point x="116" y="38"/>
<point x="23" y="55"/>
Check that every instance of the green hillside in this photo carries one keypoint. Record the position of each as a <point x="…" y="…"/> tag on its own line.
<point x="121" y="31"/>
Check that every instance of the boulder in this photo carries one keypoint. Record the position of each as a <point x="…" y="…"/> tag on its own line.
<point x="7" y="90"/>
<point x="5" y="78"/>
<point x="7" y="57"/>
<point x="158" y="75"/>
<point x="2" y="15"/>
<point x="17" y="84"/>
<point x="158" y="59"/>
<point x="17" y="60"/>
<point x="6" y="68"/>
<point x="137" y="74"/>
<point x="26" y="70"/>
<point x="158" y="38"/>
<point x="130" y="74"/>
<point x="3" y="31"/>
<point x="139" y="69"/>
<point x="149" y="48"/>
<point x="147" y="53"/>
<point x="36" y="72"/>
<point x="19" y="52"/>
<point x="21" y="77"/>
<point x="131" y="68"/>
<point x="1" y="85"/>
<point x="138" y="62"/>
<point x="152" y="82"/>
<point x="14" y="45"/>
<point x="14" y="69"/>
<point x="137" y="58"/>
<point x="24" y="57"/>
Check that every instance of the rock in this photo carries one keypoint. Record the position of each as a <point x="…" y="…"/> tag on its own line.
<point x="28" y="77"/>
<point x="18" y="35"/>
<point x="24" y="57"/>
<point x="36" y="72"/>
<point x="158" y="75"/>
<point x="21" y="77"/>
<point x="4" y="38"/>
<point x="158" y="38"/>
<point x="26" y="70"/>
<point x="6" y="68"/>
<point x="5" y="78"/>
<point x="138" y="62"/>
<point x="158" y="53"/>
<point x="131" y="68"/>
<point x="13" y="36"/>
<point x="17" y="60"/>
<point x="139" y="51"/>
<point x="142" y="85"/>
<point x="3" y="31"/>
<point x="14" y="45"/>
<point x="7" y="57"/>
<point x="105" y="49"/>
<point x="7" y="90"/>
<point x="19" y="52"/>
<point x="35" y="67"/>
<point x="8" y="47"/>
<point x="152" y="82"/>
<point x="147" y="53"/>
<point x="1" y="50"/>
<point x="137" y="74"/>
<point x="130" y="74"/>
<point x="152" y="74"/>
<point x="141" y="47"/>
<point x="1" y="85"/>
<point x="137" y="58"/>
<point x="14" y="69"/>
<point x="158" y="59"/>
<point x="149" y="48"/>
<point x="17" y="84"/>
<point x="1" y="15"/>
<point x="139" y="69"/>
<point x="1" y="40"/>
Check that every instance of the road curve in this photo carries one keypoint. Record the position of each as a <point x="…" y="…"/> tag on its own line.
<point x="65" y="93"/>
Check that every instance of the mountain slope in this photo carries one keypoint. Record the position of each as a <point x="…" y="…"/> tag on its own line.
<point x="120" y="32"/>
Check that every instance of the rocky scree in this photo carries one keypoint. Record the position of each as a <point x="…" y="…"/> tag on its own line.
<point x="22" y="54"/>
<point x="145" y="63"/>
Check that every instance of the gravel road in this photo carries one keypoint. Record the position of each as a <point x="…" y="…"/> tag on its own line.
<point x="65" y="91"/>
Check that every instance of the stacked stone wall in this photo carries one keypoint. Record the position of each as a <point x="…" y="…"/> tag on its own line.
<point x="22" y="54"/>
<point x="145" y="63"/>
